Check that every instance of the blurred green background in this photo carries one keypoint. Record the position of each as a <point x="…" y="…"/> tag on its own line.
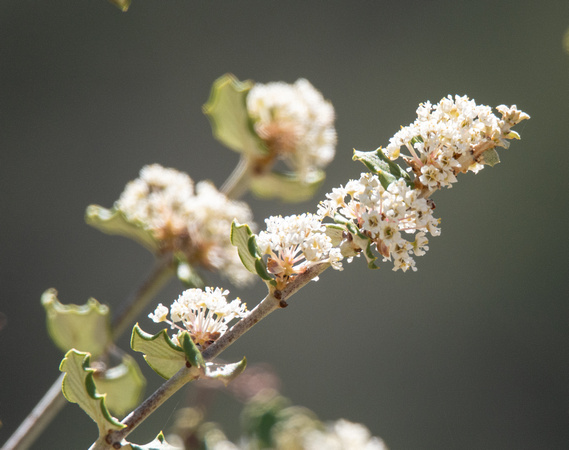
<point x="470" y="352"/>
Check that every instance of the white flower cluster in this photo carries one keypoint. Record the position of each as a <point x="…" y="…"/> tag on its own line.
<point x="343" y="435"/>
<point x="195" y="221"/>
<point x="294" y="243"/>
<point x="300" y="433"/>
<point x="204" y="314"/>
<point x="295" y="122"/>
<point x="383" y="214"/>
<point x="451" y="137"/>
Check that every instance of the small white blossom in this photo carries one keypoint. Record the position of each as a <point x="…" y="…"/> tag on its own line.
<point x="195" y="220"/>
<point x="295" y="123"/>
<point x="204" y="314"/>
<point x="383" y="215"/>
<point x="160" y="314"/>
<point x="451" y="137"/>
<point x="294" y="243"/>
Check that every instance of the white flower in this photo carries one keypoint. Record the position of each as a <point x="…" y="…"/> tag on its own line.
<point x="383" y="215"/>
<point x="451" y="137"/>
<point x="160" y="314"/>
<point x="295" y="123"/>
<point x="294" y="243"/>
<point x="204" y="314"/>
<point x="195" y="221"/>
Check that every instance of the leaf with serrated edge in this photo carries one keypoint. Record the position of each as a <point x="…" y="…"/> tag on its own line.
<point x="113" y="221"/>
<point x="240" y="238"/>
<point x="287" y="187"/>
<point x="83" y="327"/>
<point x="78" y="387"/>
<point x="161" y="354"/>
<point x="123" y="384"/>
<point x="227" y="112"/>
<point x="225" y="372"/>
<point x="157" y="444"/>
<point x="385" y="169"/>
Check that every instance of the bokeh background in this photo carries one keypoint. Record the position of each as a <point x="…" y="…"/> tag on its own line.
<point x="469" y="352"/>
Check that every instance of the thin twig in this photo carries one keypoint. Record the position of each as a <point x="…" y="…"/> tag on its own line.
<point x="41" y="416"/>
<point x="136" y="417"/>
<point x="274" y="300"/>
<point x="53" y="400"/>
<point x="238" y="182"/>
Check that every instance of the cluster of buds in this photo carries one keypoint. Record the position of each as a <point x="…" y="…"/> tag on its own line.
<point x="192" y="220"/>
<point x="204" y="314"/>
<point x="453" y="136"/>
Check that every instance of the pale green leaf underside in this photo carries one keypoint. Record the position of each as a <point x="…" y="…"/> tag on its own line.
<point x="113" y="221"/>
<point x="226" y="109"/>
<point x="490" y="157"/>
<point x="83" y="327"/>
<point x="287" y="187"/>
<point x="78" y="387"/>
<point x="123" y="385"/>
<point x="336" y="233"/>
<point x="225" y="372"/>
<point x="162" y="355"/>
<point x="243" y="238"/>
<point x="240" y="236"/>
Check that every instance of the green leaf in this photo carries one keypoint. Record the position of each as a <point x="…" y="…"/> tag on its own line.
<point x="226" y="109"/>
<point x="123" y="5"/>
<point x="113" y="221"/>
<point x="123" y="384"/>
<point x="225" y="372"/>
<point x="193" y="355"/>
<point x="85" y="327"/>
<point x="78" y="387"/>
<point x="490" y="157"/>
<point x="370" y="257"/>
<point x="385" y="169"/>
<point x="261" y="270"/>
<point x="242" y="237"/>
<point x="287" y="186"/>
<point x="157" y="444"/>
<point x="163" y="355"/>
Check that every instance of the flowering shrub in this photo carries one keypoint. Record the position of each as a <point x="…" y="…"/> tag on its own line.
<point x="193" y="229"/>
